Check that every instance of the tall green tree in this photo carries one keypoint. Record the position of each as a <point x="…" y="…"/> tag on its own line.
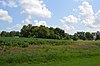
<point x="12" y="33"/>
<point x="88" y="36"/>
<point x="25" y="31"/>
<point x="4" y="34"/>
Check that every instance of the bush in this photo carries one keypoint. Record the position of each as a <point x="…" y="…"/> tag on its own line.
<point x="75" y="38"/>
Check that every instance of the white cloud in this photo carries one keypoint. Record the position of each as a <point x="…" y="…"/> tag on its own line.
<point x="17" y="27"/>
<point x="70" y="19"/>
<point x="35" y="8"/>
<point x="89" y="18"/>
<point x="4" y="16"/>
<point x="97" y="19"/>
<point x="74" y="10"/>
<point x="38" y="23"/>
<point x="26" y="21"/>
<point x="10" y="3"/>
<point x="68" y="28"/>
<point x="86" y="9"/>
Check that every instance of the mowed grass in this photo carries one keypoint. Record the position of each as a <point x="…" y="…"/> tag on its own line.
<point x="76" y="53"/>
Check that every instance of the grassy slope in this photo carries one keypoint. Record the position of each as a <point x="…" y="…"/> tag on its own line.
<point x="95" y="61"/>
<point x="79" y="53"/>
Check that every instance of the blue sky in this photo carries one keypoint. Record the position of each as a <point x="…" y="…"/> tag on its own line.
<point x="70" y="15"/>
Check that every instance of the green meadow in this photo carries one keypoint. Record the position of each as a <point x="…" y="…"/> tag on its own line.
<point x="48" y="52"/>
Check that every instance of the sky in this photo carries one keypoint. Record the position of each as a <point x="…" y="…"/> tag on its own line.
<point x="70" y="15"/>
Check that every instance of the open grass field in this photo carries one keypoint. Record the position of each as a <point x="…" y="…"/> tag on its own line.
<point x="48" y="52"/>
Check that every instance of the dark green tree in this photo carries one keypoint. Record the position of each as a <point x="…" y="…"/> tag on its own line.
<point x="4" y="34"/>
<point x="12" y="33"/>
<point x="88" y="36"/>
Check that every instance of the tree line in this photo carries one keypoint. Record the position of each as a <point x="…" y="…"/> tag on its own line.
<point x="49" y="33"/>
<point x="37" y="32"/>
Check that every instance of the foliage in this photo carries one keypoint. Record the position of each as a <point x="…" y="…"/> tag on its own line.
<point x="42" y="32"/>
<point x="75" y="38"/>
<point x="37" y="32"/>
<point x="30" y="31"/>
<point x="88" y="35"/>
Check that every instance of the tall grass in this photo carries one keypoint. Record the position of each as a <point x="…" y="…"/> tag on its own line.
<point x="46" y="54"/>
<point x="47" y="51"/>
